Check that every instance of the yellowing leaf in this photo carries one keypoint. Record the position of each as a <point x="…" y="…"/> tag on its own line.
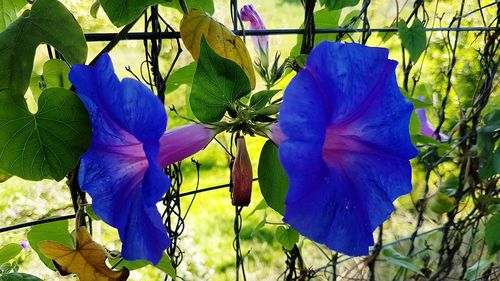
<point x="196" y="24"/>
<point x="87" y="261"/>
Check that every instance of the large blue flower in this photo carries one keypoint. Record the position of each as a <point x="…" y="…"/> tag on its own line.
<point x="122" y="170"/>
<point x="346" y="146"/>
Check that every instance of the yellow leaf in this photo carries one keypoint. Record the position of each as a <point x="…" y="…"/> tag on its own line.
<point x="87" y="261"/>
<point x="196" y="23"/>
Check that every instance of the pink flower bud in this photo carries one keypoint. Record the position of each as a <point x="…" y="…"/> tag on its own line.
<point x="248" y="13"/>
<point x="241" y="175"/>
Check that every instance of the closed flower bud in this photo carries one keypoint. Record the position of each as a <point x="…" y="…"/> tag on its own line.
<point x="241" y="175"/>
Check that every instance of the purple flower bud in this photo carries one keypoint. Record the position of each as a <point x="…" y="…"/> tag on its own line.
<point x="242" y="175"/>
<point x="426" y="128"/>
<point x="248" y="13"/>
<point x="24" y="244"/>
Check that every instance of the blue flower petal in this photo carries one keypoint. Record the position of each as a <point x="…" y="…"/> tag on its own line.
<point x="120" y="170"/>
<point x="347" y="145"/>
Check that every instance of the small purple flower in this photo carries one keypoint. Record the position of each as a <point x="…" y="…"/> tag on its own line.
<point x="248" y="13"/>
<point x="24" y="244"/>
<point x="426" y="128"/>
<point x="122" y="170"/>
<point x="346" y="145"/>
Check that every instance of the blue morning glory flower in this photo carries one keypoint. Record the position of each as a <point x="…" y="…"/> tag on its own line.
<point x="345" y="145"/>
<point x="122" y="170"/>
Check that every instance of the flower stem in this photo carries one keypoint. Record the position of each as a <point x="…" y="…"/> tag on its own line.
<point x="184" y="6"/>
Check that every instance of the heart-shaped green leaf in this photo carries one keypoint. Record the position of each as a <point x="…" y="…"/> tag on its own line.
<point x="217" y="84"/>
<point x="55" y="75"/>
<point x="287" y="236"/>
<point x="47" y="144"/>
<point x="413" y="38"/>
<point x="47" y="22"/>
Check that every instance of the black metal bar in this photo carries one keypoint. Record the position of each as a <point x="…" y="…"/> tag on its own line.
<point x="32" y="223"/>
<point x="208" y="189"/>
<point x="95" y="37"/>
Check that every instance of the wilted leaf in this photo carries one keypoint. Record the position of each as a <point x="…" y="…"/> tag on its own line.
<point x="87" y="261"/>
<point x="197" y="24"/>
<point x="54" y="231"/>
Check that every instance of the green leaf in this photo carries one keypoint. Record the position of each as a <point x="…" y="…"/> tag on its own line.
<point x="492" y="121"/>
<point x="54" y="231"/>
<point x="48" y="22"/>
<point x="90" y="212"/>
<point x="202" y="5"/>
<point x="9" y="252"/>
<point x="164" y="265"/>
<point x="19" y="277"/>
<point x="47" y="144"/>
<point x="338" y="4"/>
<point x="262" y="98"/>
<point x="261" y="206"/>
<point x="181" y="76"/>
<point x="287" y="236"/>
<point x="122" y="12"/>
<point x="491" y="234"/>
<point x="273" y="181"/>
<point x="397" y="259"/>
<point x="260" y="225"/>
<point x="440" y="203"/>
<point x="476" y="270"/>
<point x="95" y="8"/>
<point x="449" y="186"/>
<point x="8" y="11"/>
<point x="414" y="124"/>
<point x="419" y="104"/>
<point x="55" y="75"/>
<point x="491" y="166"/>
<point x="413" y="38"/>
<point x="217" y="84"/>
